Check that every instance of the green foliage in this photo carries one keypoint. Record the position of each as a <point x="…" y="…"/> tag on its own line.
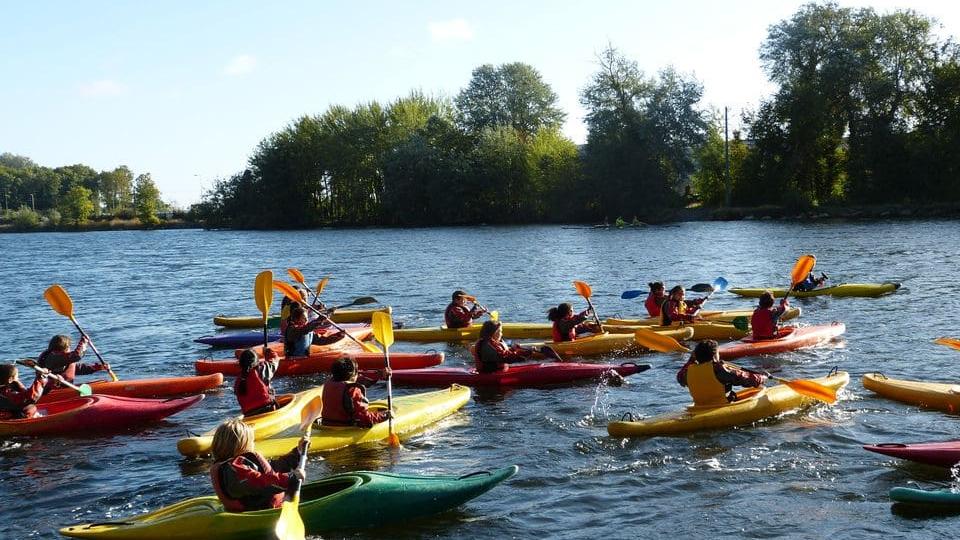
<point x="146" y="200"/>
<point x="710" y="179"/>
<point x="76" y="205"/>
<point x="25" y="218"/>
<point x="511" y="95"/>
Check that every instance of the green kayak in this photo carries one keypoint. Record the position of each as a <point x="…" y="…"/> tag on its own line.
<point x="343" y="501"/>
<point x="942" y="499"/>
<point x="869" y="290"/>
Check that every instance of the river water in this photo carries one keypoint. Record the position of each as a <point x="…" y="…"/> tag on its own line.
<point x="143" y="297"/>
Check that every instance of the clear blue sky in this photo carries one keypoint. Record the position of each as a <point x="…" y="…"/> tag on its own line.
<point x="185" y="90"/>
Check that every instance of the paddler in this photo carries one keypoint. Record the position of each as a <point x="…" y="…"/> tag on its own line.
<point x="458" y="315"/>
<point x="655" y="299"/>
<point x="676" y="309"/>
<point x="811" y="282"/>
<point x="299" y="334"/>
<point x="566" y="325"/>
<point x="66" y="364"/>
<point x="491" y="354"/>
<point x="345" y="400"/>
<point x="711" y="380"/>
<point x="242" y="478"/>
<point x="766" y="317"/>
<point x="16" y="400"/>
<point x="252" y="387"/>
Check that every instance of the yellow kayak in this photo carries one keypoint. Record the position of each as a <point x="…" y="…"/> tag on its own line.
<point x="932" y="395"/>
<point x="511" y="330"/>
<point x="339" y="316"/>
<point x="411" y="413"/>
<point x="869" y="290"/>
<point x="708" y="316"/>
<point x="264" y="425"/>
<point x="763" y="404"/>
<point x="607" y="343"/>
<point x="701" y="330"/>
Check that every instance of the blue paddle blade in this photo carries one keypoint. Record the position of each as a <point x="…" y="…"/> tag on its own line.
<point x="629" y="295"/>
<point x="720" y="284"/>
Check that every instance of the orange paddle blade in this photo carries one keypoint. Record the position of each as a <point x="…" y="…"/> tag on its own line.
<point x="310" y="413"/>
<point x="382" y="326"/>
<point x="812" y="389"/>
<point x="59" y="300"/>
<point x="262" y="291"/>
<point x="657" y="342"/>
<point x="296" y="275"/>
<point x="322" y="284"/>
<point x="953" y="343"/>
<point x="287" y="290"/>
<point x="393" y="440"/>
<point x="802" y="268"/>
<point x="583" y="289"/>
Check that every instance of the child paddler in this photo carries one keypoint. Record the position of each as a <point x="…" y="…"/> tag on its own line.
<point x="458" y="315"/>
<point x="16" y="400"/>
<point x="345" y="400"/>
<point x="711" y="380"/>
<point x="655" y="298"/>
<point x="491" y="354"/>
<point x="765" y="318"/>
<point x="676" y="309"/>
<point x="566" y="325"/>
<point x="61" y="361"/>
<point x="299" y="333"/>
<point x="242" y="478"/>
<point x="252" y="387"/>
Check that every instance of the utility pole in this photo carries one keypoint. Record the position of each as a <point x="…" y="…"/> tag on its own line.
<point x="726" y="154"/>
<point x="32" y="203"/>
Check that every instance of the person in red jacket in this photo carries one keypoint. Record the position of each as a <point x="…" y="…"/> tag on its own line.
<point x="458" y="315"/>
<point x="252" y="387"/>
<point x="491" y="354"/>
<point x="17" y="401"/>
<point x="766" y="317"/>
<point x="566" y="325"/>
<point x="711" y="380"/>
<point x="655" y="299"/>
<point x="63" y="363"/>
<point x="242" y="478"/>
<point x="345" y="400"/>
<point x="676" y="309"/>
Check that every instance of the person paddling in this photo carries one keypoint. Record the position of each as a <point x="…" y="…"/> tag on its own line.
<point x="765" y="318"/>
<point x="242" y="478"/>
<point x="66" y="364"/>
<point x="299" y="334"/>
<point x="655" y="299"/>
<point x="16" y="400"/>
<point x="711" y="380"/>
<point x="345" y="400"/>
<point x="811" y="283"/>
<point x="676" y="309"/>
<point x="566" y="325"/>
<point x="252" y="388"/>
<point x="491" y="354"/>
<point x="458" y="315"/>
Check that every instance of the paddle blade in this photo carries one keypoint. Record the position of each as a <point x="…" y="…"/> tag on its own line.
<point x="382" y="328"/>
<point x="812" y="389"/>
<point x="494" y="315"/>
<point x="59" y="300"/>
<point x="802" y="268"/>
<point x="85" y="390"/>
<point x="290" y="526"/>
<point x="953" y="343"/>
<point x="630" y="295"/>
<point x="287" y="290"/>
<point x="701" y="288"/>
<point x="263" y="292"/>
<point x="363" y="301"/>
<point x="720" y="284"/>
<point x="583" y="289"/>
<point x="657" y="342"/>
<point x="393" y="440"/>
<point x="549" y="352"/>
<point x="310" y="413"/>
<point x="741" y="324"/>
<point x="322" y="284"/>
<point x="296" y="275"/>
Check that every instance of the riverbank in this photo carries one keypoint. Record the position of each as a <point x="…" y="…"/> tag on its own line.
<point x="106" y="225"/>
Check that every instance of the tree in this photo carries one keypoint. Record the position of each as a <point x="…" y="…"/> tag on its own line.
<point x="146" y="199"/>
<point x="508" y="95"/>
<point x="116" y="187"/>
<point x="76" y="204"/>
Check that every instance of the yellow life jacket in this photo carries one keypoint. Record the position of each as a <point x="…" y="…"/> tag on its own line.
<point x="705" y="389"/>
<point x="664" y="319"/>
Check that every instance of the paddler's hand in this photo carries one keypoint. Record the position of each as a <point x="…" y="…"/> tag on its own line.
<point x="302" y="445"/>
<point x="299" y="474"/>
<point x="784" y="302"/>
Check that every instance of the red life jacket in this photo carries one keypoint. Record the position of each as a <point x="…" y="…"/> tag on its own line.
<point x="763" y="323"/>
<point x="652" y="303"/>
<point x="338" y="407"/>
<point x="256" y="502"/>
<point x="258" y="392"/>
<point x="491" y="351"/>
<point x="559" y="334"/>
<point x="457" y="316"/>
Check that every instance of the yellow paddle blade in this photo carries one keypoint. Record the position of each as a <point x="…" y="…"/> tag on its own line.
<point x="657" y="342"/>
<point x="494" y="315"/>
<point x="59" y="300"/>
<point x="953" y="343"/>
<point x="812" y="389"/>
<point x="310" y="413"/>
<point x="583" y="289"/>
<point x="382" y="328"/>
<point x="290" y="525"/>
<point x="322" y="284"/>
<point x="296" y="275"/>
<point x="263" y="292"/>
<point x="287" y="290"/>
<point x="802" y="268"/>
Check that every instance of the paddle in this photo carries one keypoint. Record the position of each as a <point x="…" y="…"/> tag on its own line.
<point x="471" y="298"/>
<point x="719" y="284"/>
<point x="263" y="296"/>
<point x="383" y="332"/>
<point x="697" y="288"/>
<point x="801" y="269"/>
<point x="321" y="285"/>
<point x="657" y="342"/>
<point x="953" y="343"/>
<point x="61" y="302"/>
<point x="287" y="290"/>
<point x="290" y="525"/>
<point x="83" y="389"/>
<point x="584" y="289"/>
<point x="297" y="276"/>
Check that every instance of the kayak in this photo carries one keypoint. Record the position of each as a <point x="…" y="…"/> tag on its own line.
<point x="83" y="415"/>
<point x="942" y="499"/>
<point x="264" y="425"/>
<point x="350" y="500"/>
<point x="791" y="338"/>
<point x="525" y="375"/>
<point x="607" y="343"/>
<point x="755" y="405"/>
<point x="339" y="316"/>
<point x="941" y="454"/>
<point x="411" y="413"/>
<point x="342" y="344"/>
<point x="701" y="330"/>
<point x="708" y="316"/>
<point x="250" y="338"/>
<point x="144" y="388"/>
<point x="321" y="363"/>
<point x="932" y="395"/>
<point x="869" y="290"/>
<point x="511" y="330"/>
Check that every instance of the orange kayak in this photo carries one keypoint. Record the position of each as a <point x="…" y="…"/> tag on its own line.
<point x="144" y="388"/>
<point x="790" y="338"/>
<point x="320" y="363"/>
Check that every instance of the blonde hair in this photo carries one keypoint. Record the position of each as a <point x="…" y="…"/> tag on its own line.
<point x="59" y="343"/>
<point x="231" y="439"/>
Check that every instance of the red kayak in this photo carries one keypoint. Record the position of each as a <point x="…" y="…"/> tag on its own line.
<point x="941" y="454"/>
<point x="319" y="363"/>
<point x="144" y="388"/>
<point x="343" y="344"/>
<point x="95" y="414"/>
<point x="526" y="375"/>
<point x="790" y="338"/>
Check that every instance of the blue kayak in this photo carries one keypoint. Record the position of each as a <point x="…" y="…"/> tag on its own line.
<point x="236" y="340"/>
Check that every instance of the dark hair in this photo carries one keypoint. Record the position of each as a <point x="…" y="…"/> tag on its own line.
<point x="343" y="369"/>
<point x="457" y="294"/>
<point x="656" y="286"/>
<point x="296" y="311"/>
<point x="705" y="351"/>
<point x="59" y="343"/>
<point x="676" y="289"/>
<point x="559" y="312"/>
<point x="488" y="328"/>
<point x="7" y="371"/>
<point x="247" y="359"/>
<point x="766" y="299"/>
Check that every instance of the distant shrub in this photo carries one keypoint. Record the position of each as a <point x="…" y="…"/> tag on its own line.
<point x="25" y="218"/>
